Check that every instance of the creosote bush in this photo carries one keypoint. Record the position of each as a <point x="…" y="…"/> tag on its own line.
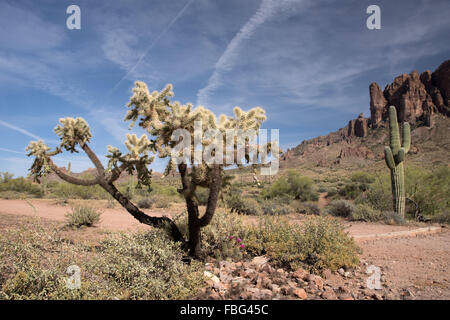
<point x="34" y="259"/>
<point x="242" y="205"/>
<point x="363" y="212"/>
<point x="82" y="216"/>
<point x="215" y="238"/>
<point x="146" y="266"/>
<point x="309" y="208"/>
<point x="341" y="208"/>
<point x="294" y="185"/>
<point x="319" y="243"/>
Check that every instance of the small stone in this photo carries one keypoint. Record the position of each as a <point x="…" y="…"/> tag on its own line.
<point x="259" y="261"/>
<point x="300" y="293"/>
<point x="341" y="271"/>
<point x="300" y="273"/>
<point x="326" y="273"/>
<point x="329" y="294"/>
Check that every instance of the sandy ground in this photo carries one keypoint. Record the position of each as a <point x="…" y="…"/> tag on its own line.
<point x="118" y="219"/>
<point x="416" y="264"/>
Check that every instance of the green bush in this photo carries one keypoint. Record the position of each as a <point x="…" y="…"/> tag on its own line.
<point x="430" y="190"/>
<point x="70" y="191"/>
<point x="146" y="266"/>
<point x="34" y="260"/>
<point x="82" y="216"/>
<point x="363" y="212"/>
<point x="274" y="208"/>
<point x="243" y="205"/>
<point x="215" y="236"/>
<point x="162" y="201"/>
<point x="20" y="186"/>
<point x="305" y="208"/>
<point x="294" y="185"/>
<point x="319" y="243"/>
<point x="145" y="203"/>
<point x="341" y="208"/>
<point x="202" y="196"/>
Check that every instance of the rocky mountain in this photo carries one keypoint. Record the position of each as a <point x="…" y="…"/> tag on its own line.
<point x="422" y="100"/>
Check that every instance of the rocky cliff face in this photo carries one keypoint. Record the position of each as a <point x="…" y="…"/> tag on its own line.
<point x="416" y="97"/>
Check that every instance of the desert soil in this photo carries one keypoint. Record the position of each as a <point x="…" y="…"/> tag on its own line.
<point x="412" y="267"/>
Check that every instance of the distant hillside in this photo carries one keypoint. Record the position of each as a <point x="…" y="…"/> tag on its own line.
<point x="422" y="100"/>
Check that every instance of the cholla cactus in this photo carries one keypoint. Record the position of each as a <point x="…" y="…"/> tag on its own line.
<point x="394" y="156"/>
<point x="160" y="117"/>
<point x="155" y="113"/>
<point x="72" y="132"/>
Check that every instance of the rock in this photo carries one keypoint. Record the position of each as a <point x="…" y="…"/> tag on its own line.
<point x="341" y="271"/>
<point x="300" y="293"/>
<point x="300" y="274"/>
<point x="361" y="126"/>
<point x="329" y="294"/>
<point x="318" y="282"/>
<point x="286" y="290"/>
<point x="211" y="279"/>
<point x="441" y="79"/>
<point x="326" y="274"/>
<point x="259" y="261"/>
<point x="378" y="104"/>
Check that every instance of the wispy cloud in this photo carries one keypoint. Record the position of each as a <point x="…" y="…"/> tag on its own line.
<point x="15" y="128"/>
<point x="152" y="44"/>
<point x="266" y="10"/>
<point x="12" y="151"/>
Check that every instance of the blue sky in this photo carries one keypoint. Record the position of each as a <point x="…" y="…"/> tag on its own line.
<point x="308" y="63"/>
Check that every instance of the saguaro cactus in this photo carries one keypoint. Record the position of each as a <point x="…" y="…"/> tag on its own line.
<point x="394" y="156"/>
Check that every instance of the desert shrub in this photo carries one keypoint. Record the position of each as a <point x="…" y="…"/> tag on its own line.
<point x="216" y="235"/>
<point x="34" y="260"/>
<point x="359" y="182"/>
<point x="20" y="186"/>
<point x="243" y="205"/>
<point x="70" y="191"/>
<point x="10" y="195"/>
<point x="363" y="212"/>
<point x="341" y="208"/>
<point x="202" y="195"/>
<point x="362" y="177"/>
<point x="429" y="190"/>
<point x="146" y="266"/>
<point x="33" y="263"/>
<point x="293" y="184"/>
<point x="273" y="207"/>
<point x="319" y="243"/>
<point x="443" y="217"/>
<point x="145" y="203"/>
<point x="391" y="217"/>
<point x="161" y="201"/>
<point x="82" y="216"/>
<point x="111" y="203"/>
<point x="305" y="208"/>
<point x="5" y="177"/>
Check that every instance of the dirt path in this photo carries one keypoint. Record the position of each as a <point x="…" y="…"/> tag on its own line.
<point x="416" y="264"/>
<point x="323" y="201"/>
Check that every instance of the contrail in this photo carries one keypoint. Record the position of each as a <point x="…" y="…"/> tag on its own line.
<point x="12" y="151"/>
<point x="266" y="10"/>
<point x="152" y="44"/>
<point x="23" y="131"/>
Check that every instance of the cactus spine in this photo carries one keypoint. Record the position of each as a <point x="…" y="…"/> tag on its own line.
<point x="394" y="156"/>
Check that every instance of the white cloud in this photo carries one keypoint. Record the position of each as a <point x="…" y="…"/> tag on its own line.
<point x="23" y="131"/>
<point x="266" y="10"/>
